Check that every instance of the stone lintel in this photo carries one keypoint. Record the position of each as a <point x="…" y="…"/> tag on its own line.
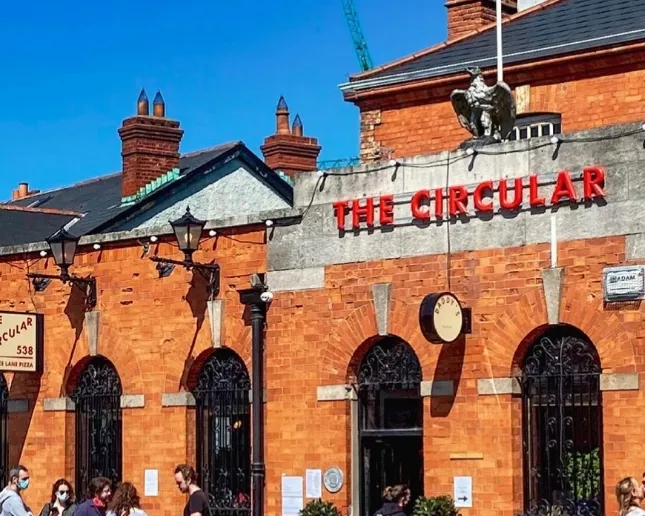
<point x="18" y="405"/>
<point x="494" y="386"/>
<point x="335" y="393"/>
<point x="437" y="388"/>
<point x="133" y="401"/>
<point x="296" y="279"/>
<point x="92" y="332"/>
<point x="619" y="382"/>
<point x="177" y="399"/>
<point x="216" y="320"/>
<point x="58" y="405"/>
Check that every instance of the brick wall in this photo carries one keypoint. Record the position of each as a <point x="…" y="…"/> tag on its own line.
<point x="589" y="93"/>
<point x="153" y="330"/>
<point x="315" y="335"/>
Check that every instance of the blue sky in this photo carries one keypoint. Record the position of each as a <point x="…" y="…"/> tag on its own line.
<point x="72" y="71"/>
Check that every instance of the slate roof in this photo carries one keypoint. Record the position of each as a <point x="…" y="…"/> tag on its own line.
<point x="549" y="30"/>
<point x="23" y="227"/>
<point x="99" y="200"/>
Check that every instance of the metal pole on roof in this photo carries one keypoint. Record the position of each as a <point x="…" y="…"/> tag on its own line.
<point x="500" y="64"/>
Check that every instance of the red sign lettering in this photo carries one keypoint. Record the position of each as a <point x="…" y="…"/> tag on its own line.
<point x="593" y="184"/>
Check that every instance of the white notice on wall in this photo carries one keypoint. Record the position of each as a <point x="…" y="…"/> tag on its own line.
<point x="463" y="495"/>
<point x="151" y="482"/>
<point x="292" y="496"/>
<point x="314" y="483"/>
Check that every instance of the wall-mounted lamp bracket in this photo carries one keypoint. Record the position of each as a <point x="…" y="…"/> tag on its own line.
<point x="210" y="271"/>
<point x="87" y="285"/>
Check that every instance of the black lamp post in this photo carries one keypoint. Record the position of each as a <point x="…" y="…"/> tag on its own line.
<point x="257" y="298"/>
<point x="188" y="232"/>
<point x="63" y="245"/>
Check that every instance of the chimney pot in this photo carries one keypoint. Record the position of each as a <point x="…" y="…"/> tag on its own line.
<point x="158" y="106"/>
<point x="296" y="128"/>
<point x="143" y="107"/>
<point x="23" y="190"/>
<point x="282" y="117"/>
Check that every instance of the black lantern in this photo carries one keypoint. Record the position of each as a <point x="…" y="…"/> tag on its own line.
<point x="188" y="231"/>
<point x="63" y="248"/>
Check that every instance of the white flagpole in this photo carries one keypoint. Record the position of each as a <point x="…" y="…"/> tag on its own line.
<point x="500" y="66"/>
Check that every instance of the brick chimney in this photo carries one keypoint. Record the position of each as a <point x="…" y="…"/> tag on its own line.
<point x="22" y="191"/>
<point x="150" y="144"/>
<point x="465" y="16"/>
<point x="288" y="149"/>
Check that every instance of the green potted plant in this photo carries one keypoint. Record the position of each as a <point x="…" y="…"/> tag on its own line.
<point x="319" y="508"/>
<point x="435" y="506"/>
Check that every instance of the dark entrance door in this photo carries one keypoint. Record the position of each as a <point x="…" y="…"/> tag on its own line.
<point x="390" y="422"/>
<point x="98" y="424"/>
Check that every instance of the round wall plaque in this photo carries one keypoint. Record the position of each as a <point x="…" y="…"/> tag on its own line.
<point x="441" y="317"/>
<point x="333" y="479"/>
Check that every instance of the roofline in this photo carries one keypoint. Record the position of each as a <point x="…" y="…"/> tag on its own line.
<point x="238" y="151"/>
<point x="47" y="211"/>
<point x="434" y="48"/>
<point x="375" y="88"/>
<point x="285" y="217"/>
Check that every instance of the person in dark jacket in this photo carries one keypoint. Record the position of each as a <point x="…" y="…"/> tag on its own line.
<point x="99" y="493"/>
<point x="62" y="500"/>
<point x="394" y="501"/>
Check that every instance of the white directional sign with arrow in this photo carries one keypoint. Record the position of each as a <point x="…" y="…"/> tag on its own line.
<point x="463" y="487"/>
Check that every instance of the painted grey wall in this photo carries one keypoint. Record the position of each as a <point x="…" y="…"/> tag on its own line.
<point x="525" y="4"/>
<point x="317" y="242"/>
<point x="229" y="191"/>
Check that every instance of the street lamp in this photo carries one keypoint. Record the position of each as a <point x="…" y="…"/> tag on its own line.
<point x="63" y="245"/>
<point x="188" y="232"/>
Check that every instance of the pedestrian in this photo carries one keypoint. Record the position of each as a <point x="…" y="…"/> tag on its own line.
<point x="629" y="494"/>
<point x="99" y="493"/>
<point x="62" y="500"/>
<point x="186" y="480"/>
<point x="394" y="501"/>
<point x="125" y="502"/>
<point x="11" y="502"/>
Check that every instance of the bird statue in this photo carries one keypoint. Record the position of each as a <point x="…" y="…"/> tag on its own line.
<point x="487" y="112"/>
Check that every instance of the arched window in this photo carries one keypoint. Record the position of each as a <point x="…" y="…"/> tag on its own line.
<point x="4" y="429"/>
<point x="390" y="414"/>
<point x="98" y="423"/>
<point x="562" y="424"/>
<point x="223" y="405"/>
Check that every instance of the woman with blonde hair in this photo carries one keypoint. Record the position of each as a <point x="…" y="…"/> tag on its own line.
<point x="125" y="502"/>
<point x="629" y="494"/>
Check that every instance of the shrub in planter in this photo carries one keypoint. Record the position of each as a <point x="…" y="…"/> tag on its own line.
<point x="319" y="508"/>
<point x="435" y="506"/>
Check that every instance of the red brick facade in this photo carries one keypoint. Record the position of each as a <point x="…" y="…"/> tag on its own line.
<point x="156" y="333"/>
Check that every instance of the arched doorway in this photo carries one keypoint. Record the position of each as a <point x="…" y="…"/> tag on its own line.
<point x="390" y="415"/>
<point x="99" y="428"/>
<point x="223" y="405"/>
<point x="562" y="424"/>
<point x="4" y="429"/>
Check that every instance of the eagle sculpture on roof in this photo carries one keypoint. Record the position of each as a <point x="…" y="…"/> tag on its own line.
<point x="487" y="112"/>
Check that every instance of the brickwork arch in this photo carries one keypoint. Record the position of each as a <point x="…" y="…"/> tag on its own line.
<point x="113" y="346"/>
<point x="515" y="329"/>
<point x="353" y="336"/>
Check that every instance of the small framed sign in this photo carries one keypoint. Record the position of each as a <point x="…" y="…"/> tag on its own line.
<point x="442" y="317"/>
<point x="21" y="342"/>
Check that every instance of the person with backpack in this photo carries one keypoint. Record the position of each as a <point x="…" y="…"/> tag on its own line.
<point x="62" y="500"/>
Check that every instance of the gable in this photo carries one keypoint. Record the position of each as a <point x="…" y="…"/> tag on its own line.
<point x="232" y="189"/>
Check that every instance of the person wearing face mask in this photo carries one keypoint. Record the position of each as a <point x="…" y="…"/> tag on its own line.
<point x="99" y="493"/>
<point x="11" y="502"/>
<point x="62" y="500"/>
